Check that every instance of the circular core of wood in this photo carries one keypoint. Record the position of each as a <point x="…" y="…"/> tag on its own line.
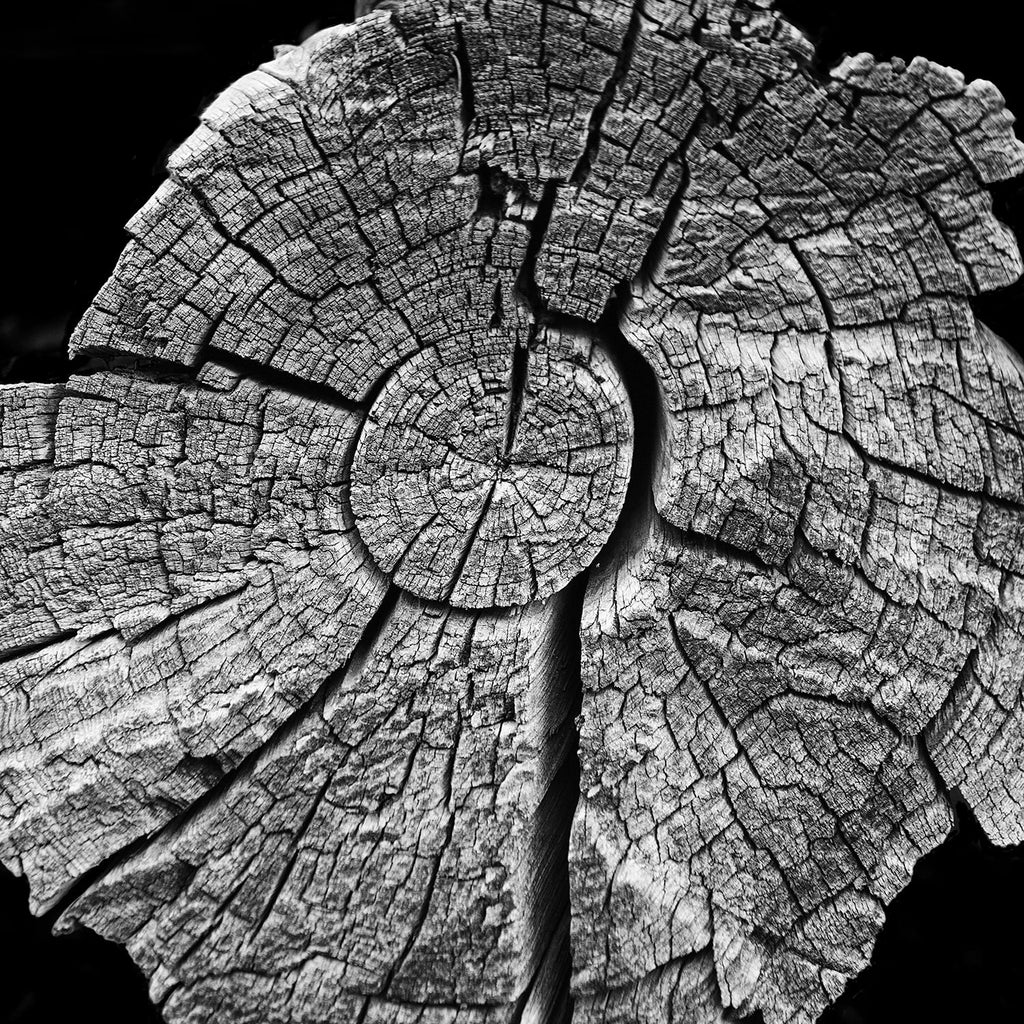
<point x="490" y="481"/>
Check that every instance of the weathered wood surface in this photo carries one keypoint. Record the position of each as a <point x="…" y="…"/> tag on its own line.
<point x="483" y="366"/>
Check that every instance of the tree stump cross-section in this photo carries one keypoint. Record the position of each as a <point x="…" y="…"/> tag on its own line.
<point x="538" y="533"/>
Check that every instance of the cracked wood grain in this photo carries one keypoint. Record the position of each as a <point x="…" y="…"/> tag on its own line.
<point x="539" y="536"/>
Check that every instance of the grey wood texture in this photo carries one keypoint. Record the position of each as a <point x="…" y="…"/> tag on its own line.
<point x="498" y="396"/>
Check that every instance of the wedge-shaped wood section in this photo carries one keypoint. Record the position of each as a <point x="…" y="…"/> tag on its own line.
<point x="401" y="838"/>
<point x="179" y="575"/>
<point x="538" y="515"/>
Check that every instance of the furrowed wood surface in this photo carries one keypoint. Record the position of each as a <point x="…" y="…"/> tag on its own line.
<point x="539" y="535"/>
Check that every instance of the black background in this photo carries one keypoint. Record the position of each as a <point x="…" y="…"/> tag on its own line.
<point x="96" y="94"/>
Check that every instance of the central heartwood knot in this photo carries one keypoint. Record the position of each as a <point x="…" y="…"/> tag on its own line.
<point x="475" y="487"/>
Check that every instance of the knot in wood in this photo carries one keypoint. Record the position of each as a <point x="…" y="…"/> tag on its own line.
<point x="493" y="477"/>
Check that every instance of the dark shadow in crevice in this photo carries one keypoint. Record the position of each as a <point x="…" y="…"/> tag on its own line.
<point x="952" y="948"/>
<point x="48" y="979"/>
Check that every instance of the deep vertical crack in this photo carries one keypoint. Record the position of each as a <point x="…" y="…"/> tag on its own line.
<point x="647" y="405"/>
<point x="526" y="280"/>
<point x="467" y="96"/>
<point x="546" y="999"/>
<point x="611" y="87"/>
<point x="645" y="401"/>
<point x="516" y="391"/>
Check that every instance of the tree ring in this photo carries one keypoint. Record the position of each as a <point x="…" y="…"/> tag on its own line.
<point x="489" y="481"/>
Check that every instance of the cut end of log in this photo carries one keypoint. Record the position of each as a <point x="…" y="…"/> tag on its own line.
<point x="351" y="665"/>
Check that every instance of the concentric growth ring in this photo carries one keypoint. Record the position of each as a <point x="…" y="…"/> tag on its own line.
<point x="488" y="481"/>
